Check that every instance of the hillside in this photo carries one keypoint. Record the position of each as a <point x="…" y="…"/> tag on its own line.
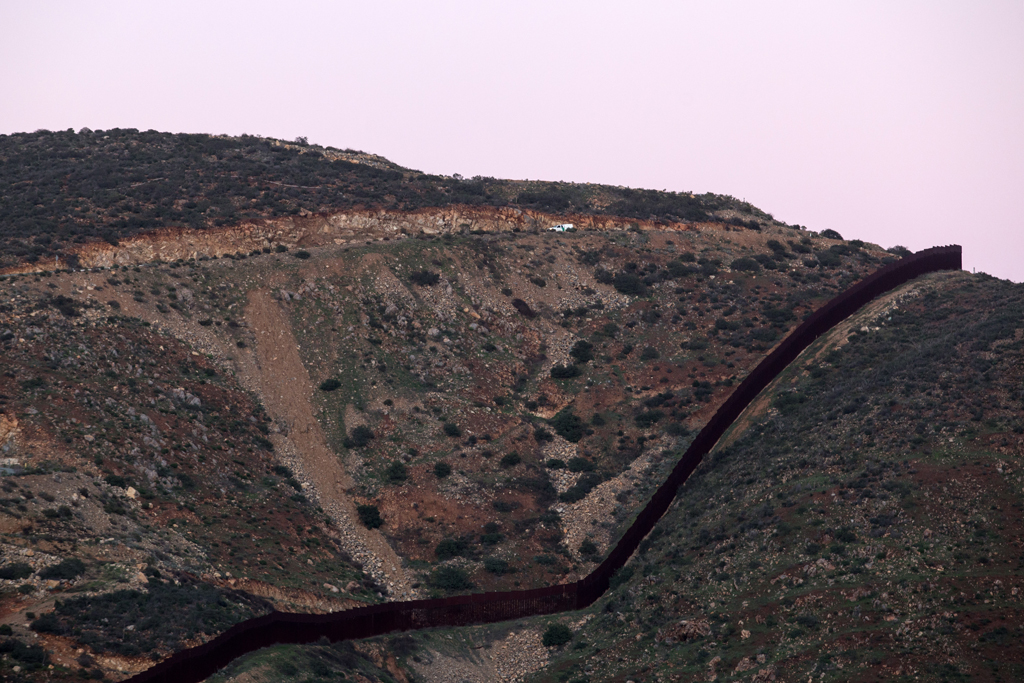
<point x="59" y="190"/>
<point x="351" y="402"/>
<point x="861" y="522"/>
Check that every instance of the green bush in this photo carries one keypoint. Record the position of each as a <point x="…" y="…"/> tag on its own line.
<point x="629" y="283"/>
<point x="497" y="566"/>
<point x="830" y="234"/>
<point x="648" y="418"/>
<point x="564" y="371"/>
<point x="586" y="483"/>
<point x="588" y="548"/>
<point x="369" y="515"/>
<point x="116" y="480"/>
<point x="396" y="473"/>
<point x="582" y="352"/>
<point x="424" y="278"/>
<point x="678" y="269"/>
<point x="302" y="254"/>
<point x="555" y="464"/>
<point x="450" y="547"/>
<point x="68" y="569"/>
<point x="450" y="579"/>
<point x="510" y="460"/>
<point x="329" y="385"/>
<point x="568" y="425"/>
<point x="17" y="570"/>
<point x="451" y="429"/>
<point x="578" y="464"/>
<point x="846" y="535"/>
<point x="359" y="437"/>
<point x="620" y="577"/>
<point x="442" y="470"/>
<point x="557" y="634"/>
<point x="649" y="353"/>
<point x="745" y="263"/>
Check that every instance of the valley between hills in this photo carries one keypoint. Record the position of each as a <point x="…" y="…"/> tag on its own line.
<point x="354" y="404"/>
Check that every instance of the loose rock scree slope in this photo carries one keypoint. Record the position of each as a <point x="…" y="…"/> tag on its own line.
<point x="364" y="622"/>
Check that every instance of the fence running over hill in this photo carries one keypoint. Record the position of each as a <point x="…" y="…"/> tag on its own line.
<point x="196" y="664"/>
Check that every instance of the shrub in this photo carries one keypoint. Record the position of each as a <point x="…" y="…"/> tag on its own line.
<point x="46" y="623"/>
<point x="578" y="464"/>
<point x="846" y="535"/>
<point x="396" y="473"/>
<point x="828" y="259"/>
<point x="116" y="480"/>
<point x="677" y="269"/>
<point x="745" y="263"/>
<point x="442" y="470"/>
<point x="424" y="278"/>
<point x="451" y="429"/>
<point x="649" y="353"/>
<point x="541" y="434"/>
<point x="359" y="437"/>
<point x="555" y="464"/>
<point x="564" y="371"/>
<point x="677" y="429"/>
<point x="557" y="634"/>
<point x="830" y="234"/>
<point x="539" y="281"/>
<point x="582" y="352"/>
<point x="450" y="547"/>
<point x="302" y="254"/>
<point x="620" y="577"/>
<point x="629" y="283"/>
<point x="568" y="425"/>
<point x="510" y="460"/>
<point x="648" y="418"/>
<point x="68" y="569"/>
<point x="17" y="570"/>
<point x="585" y="485"/>
<point x="329" y="385"/>
<point x="450" y="579"/>
<point x="523" y="308"/>
<point x="588" y="548"/>
<point x="369" y="515"/>
<point x="497" y="566"/>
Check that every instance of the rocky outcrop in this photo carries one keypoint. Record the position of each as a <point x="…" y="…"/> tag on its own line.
<point x="312" y="230"/>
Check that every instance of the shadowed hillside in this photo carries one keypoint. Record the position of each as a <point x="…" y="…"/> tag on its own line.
<point x="329" y="409"/>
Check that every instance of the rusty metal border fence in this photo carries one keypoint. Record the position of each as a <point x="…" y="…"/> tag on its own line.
<point x="198" y="663"/>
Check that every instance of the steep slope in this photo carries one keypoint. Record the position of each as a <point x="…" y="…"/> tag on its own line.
<point x="864" y="524"/>
<point x="416" y="335"/>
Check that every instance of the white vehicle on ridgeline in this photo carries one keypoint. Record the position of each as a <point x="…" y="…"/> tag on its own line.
<point x="563" y="227"/>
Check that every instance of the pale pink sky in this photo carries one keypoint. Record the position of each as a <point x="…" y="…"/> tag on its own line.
<point x="894" y="122"/>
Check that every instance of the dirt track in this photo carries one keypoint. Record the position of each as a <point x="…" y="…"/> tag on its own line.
<point x="286" y="388"/>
